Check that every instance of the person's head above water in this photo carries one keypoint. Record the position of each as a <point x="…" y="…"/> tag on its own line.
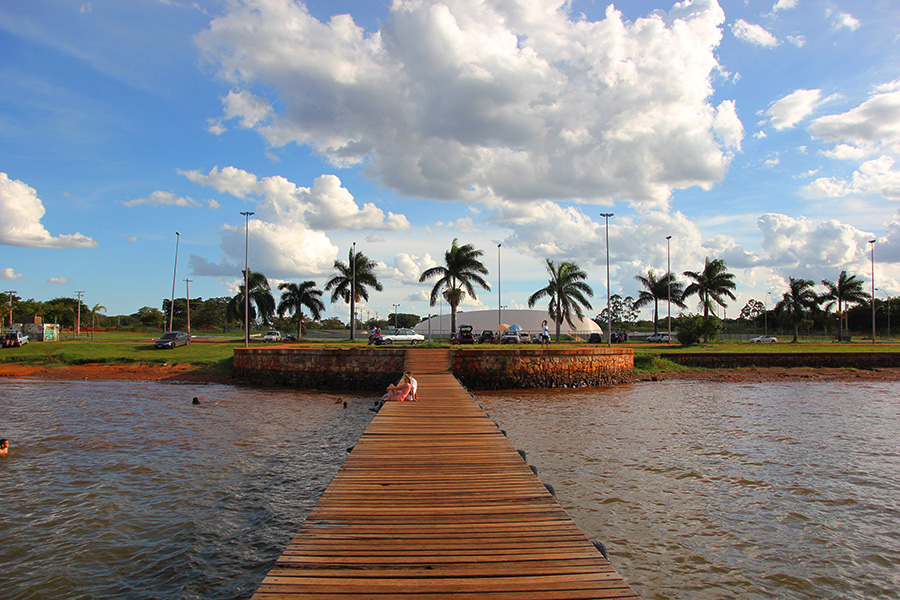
<point x="4" y="444"/>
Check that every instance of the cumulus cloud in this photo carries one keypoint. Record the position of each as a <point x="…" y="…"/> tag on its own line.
<point x="10" y="273"/>
<point x="784" y="5"/>
<point x="58" y="280"/>
<point x="797" y="243"/>
<point x="287" y="232"/>
<point x="793" y="108"/>
<point x="160" y="198"/>
<point x="753" y="34"/>
<point x="873" y="177"/>
<point x="22" y="212"/>
<point x="845" y="152"/>
<point x="873" y="124"/>
<point x="487" y="98"/>
<point x="846" y="21"/>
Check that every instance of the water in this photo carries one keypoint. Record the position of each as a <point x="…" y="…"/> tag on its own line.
<point x="714" y="491"/>
<point x="700" y="490"/>
<point x="127" y="490"/>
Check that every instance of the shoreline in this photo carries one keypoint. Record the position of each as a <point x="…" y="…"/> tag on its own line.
<point x="191" y="374"/>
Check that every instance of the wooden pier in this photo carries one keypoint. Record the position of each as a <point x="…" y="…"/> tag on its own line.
<point x="435" y="503"/>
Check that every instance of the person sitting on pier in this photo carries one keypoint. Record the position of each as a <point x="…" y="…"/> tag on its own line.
<point x="415" y="387"/>
<point x="400" y="391"/>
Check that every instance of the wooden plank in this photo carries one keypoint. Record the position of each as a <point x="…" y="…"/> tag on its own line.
<point x="434" y="502"/>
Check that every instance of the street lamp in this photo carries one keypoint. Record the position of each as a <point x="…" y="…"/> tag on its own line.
<point x="247" y="216"/>
<point x="669" y="282"/>
<point x="353" y="293"/>
<point x="396" y="306"/>
<point x="174" y="274"/>
<point x="608" y="312"/>
<point x="766" y="314"/>
<point x="187" y="285"/>
<point x="499" y="298"/>
<point x="873" y="289"/>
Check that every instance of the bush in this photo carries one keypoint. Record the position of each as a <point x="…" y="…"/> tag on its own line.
<point x="691" y="329"/>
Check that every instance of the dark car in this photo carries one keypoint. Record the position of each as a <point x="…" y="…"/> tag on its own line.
<point x="172" y="339"/>
<point x="595" y="338"/>
<point x="488" y="336"/>
<point x="465" y="335"/>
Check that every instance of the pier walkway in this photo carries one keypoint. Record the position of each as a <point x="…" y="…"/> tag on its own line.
<point x="435" y="503"/>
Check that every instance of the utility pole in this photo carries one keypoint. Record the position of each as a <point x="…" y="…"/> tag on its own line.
<point x="9" y="297"/>
<point x="174" y="278"/>
<point x="78" y="318"/>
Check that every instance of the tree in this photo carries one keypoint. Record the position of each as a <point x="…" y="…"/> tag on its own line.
<point x="262" y="303"/>
<point x="295" y="297"/>
<point x="622" y="310"/>
<point x="656" y="289"/>
<point x="460" y="270"/>
<point x="799" y="298"/>
<point x="846" y="292"/>
<point x="96" y="307"/>
<point x="566" y="291"/>
<point x="711" y="285"/>
<point x="351" y="288"/>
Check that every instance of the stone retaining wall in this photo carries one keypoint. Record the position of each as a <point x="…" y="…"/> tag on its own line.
<point x="844" y="360"/>
<point x="542" y="369"/>
<point x="312" y="368"/>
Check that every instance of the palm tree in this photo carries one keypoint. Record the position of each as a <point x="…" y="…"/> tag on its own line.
<point x="566" y="290"/>
<point x="711" y="284"/>
<point x="455" y="278"/>
<point x="657" y="289"/>
<point x="97" y="307"/>
<point x="799" y="298"/>
<point x="296" y="296"/>
<point x="342" y="283"/>
<point x="260" y="297"/>
<point x="847" y="291"/>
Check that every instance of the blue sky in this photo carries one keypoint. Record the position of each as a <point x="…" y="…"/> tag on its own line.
<point x="764" y="132"/>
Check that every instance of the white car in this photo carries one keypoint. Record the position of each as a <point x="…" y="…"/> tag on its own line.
<point x="764" y="339"/>
<point x="272" y="336"/>
<point x="400" y="336"/>
<point x="656" y="338"/>
<point x="14" y="339"/>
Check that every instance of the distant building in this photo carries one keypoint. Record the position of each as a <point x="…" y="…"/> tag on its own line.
<point x="529" y="320"/>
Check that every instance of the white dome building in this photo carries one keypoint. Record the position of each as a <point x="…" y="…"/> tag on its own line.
<point x="529" y="320"/>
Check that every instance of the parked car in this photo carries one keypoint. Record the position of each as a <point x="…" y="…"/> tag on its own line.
<point x="656" y="338"/>
<point x="14" y="339"/>
<point x="764" y="339"/>
<point x="595" y="338"/>
<point x="272" y="336"/>
<point x="465" y="335"/>
<point x="510" y="337"/>
<point x="399" y="336"/>
<point x="524" y="337"/>
<point x="488" y="336"/>
<point x="173" y="339"/>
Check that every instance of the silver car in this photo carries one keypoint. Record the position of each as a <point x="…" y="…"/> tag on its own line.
<point x="400" y="336"/>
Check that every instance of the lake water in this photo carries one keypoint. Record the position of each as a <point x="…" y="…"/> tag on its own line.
<point x="700" y="490"/>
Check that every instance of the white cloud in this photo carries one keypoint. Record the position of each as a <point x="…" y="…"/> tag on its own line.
<point x="875" y="176"/>
<point x="793" y="108"/>
<point x="9" y="273"/>
<point x="161" y="198"/>
<point x="846" y="21"/>
<point x="287" y="232"/>
<point x="58" y="280"/>
<point x="797" y="40"/>
<point x="753" y="34"/>
<point x="511" y="99"/>
<point x="784" y="5"/>
<point x="874" y="123"/>
<point x="22" y="212"/>
<point x="845" y="152"/>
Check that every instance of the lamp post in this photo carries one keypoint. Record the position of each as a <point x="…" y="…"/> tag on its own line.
<point x="396" y="306"/>
<point x="499" y="297"/>
<point x="187" y="285"/>
<point x="888" y="311"/>
<point x="669" y="285"/>
<point x="873" y="289"/>
<point x="78" y="316"/>
<point x="247" y="216"/>
<point x="766" y="314"/>
<point x="353" y="292"/>
<point x="608" y="312"/>
<point x="174" y="276"/>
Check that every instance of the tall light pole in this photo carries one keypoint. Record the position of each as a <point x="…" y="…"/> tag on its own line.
<point x="873" y="289"/>
<point x="187" y="284"/>
<point x="353" y="292"/>
<point x="608" y="311"/>
<point x="78" y="316"/>
<point x="174" y="277"/>
<point x="247" y="216"/>
<point x="669" y="282"/>
<point x="766" y="314"/>
<point x="396" y="307"/>
<point x="499" y="297"/>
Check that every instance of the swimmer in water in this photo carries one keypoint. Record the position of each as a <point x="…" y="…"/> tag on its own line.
<point x="4" y="445"/>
